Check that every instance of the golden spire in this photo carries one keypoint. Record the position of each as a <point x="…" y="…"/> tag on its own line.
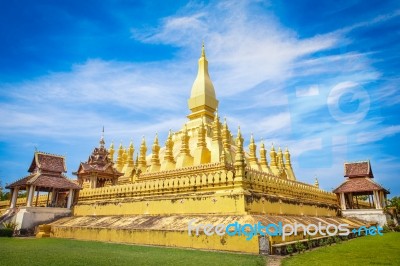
<point x="288" y="166"/>
<point x="287" y="156"/>
<point x="252" y="146"/>
<point x="120" y="159"/>
<point x="226" y="141"/>
<point x="316" y="184"/>
<point x="185" y="142"/>
<point x="202" y="154"/>
<point x="202" y="99"/>
<point x="201" y="140"/>
<point x="216" y="143"/>
<point x="155" y="160"/>
<point x="184" y="158"/>
<point x="125" y="157"/>
<point x="272" y="155"/>
<point x="142" y="158"/>
<point x="253" y="161"/>
<point x="111" y="151"/>
<point x="137" y="159"/>
<point x="240" y="163"/>
<point x="131" y="151"/>
<point x="102" y="142"/>
<point x="168" y="163"/>
<point x="263" y="157"/>
<point x="281" y="164"/>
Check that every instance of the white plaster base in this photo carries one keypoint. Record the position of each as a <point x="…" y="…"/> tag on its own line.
<point x="29" y="217"/>
<point x="368" y="215"/>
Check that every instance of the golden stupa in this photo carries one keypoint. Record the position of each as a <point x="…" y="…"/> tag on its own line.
<point x="202" y="172"/>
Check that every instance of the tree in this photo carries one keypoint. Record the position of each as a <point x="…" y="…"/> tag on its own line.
<point x="395" y="202"/>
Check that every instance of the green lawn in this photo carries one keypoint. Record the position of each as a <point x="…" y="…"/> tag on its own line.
<point x="369" y="250"/>
<point x="51" y="251"/>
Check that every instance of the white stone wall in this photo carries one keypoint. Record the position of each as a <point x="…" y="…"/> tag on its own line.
<point x="368" y="215"/>
<point x="28" y="217"/>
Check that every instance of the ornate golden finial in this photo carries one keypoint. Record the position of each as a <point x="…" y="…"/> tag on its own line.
<point x="216" y="117"/>
<point x="102" y="142"/>
<point x="111" y="152"/>
<point x="155" y="160"/>
<point x="142" y="158"/>
<point x="156" y="138"/>
<point x="131" y="151"/>
<point x="184" y="158"/>
<point x="287" y="156"/>
<point x="253" y="161"/>
<point x="203" y="50"/>
<point x="316" y="184"/>
<point x="281" y="164"/>
<point x="202" y="99"/>
<point x="274" y="162"/>
<point x="240" y="163"/>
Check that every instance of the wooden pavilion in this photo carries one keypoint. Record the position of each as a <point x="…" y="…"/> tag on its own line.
<point x="46" y="175"/>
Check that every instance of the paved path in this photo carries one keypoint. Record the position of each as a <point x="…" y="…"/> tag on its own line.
<point x="274" y="260"/>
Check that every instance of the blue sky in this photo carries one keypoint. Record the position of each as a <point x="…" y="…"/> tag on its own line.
<point x="320" y="77"/>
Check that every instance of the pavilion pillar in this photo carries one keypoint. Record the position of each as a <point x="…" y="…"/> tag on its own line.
<point x="53" y="197"/>
<point x="342" y="201"/>
<point x="31" y="192"/>
<point x="37" y="198"/>
<point x="70" y="197"/>
<point x="382" y="199"/>
<point x="377" y="200"/>
<point x="14" y="197"/>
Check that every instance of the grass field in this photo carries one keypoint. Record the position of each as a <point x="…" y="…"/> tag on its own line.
<point x="51" y="251"/>
<point x="369" y="250"/>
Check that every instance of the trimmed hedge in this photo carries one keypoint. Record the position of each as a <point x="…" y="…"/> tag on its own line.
<point x="6" y="232"/>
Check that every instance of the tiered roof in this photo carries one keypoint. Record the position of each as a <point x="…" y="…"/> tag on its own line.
<point x="359" y="179"/>
<point x="100" y="162"/>
<point x="46" y="171"/>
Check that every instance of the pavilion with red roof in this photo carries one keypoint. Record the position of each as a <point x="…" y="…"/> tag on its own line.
<point x="45" y="175"/>
<point x="359" y="186"/>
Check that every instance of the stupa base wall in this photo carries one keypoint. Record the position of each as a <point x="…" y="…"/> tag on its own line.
<point x="180" y="230"/>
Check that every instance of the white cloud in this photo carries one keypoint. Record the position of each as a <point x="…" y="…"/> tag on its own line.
<point x="245" y="48"/>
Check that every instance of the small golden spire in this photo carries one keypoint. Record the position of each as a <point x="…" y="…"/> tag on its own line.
<point x="316" y="183"/>
<point x="239" y="134"/>
<point x="216" y="115"/>
<point x="203" y="51"/>
<point x="156" y="138"/>
<point x="262" y="143"/>
<point x="102" y="142"/>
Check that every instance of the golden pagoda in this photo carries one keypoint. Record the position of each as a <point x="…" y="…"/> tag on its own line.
<point x="202" y="172"/>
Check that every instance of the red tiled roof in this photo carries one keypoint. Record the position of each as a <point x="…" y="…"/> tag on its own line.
<point x="43" y="180"/>
<point x="21" y="182"/>
<point x="359" y="185"/>
<point x="48" y="162"/>
<point x="358" y="169"/>
<point x="55" y="182"/>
